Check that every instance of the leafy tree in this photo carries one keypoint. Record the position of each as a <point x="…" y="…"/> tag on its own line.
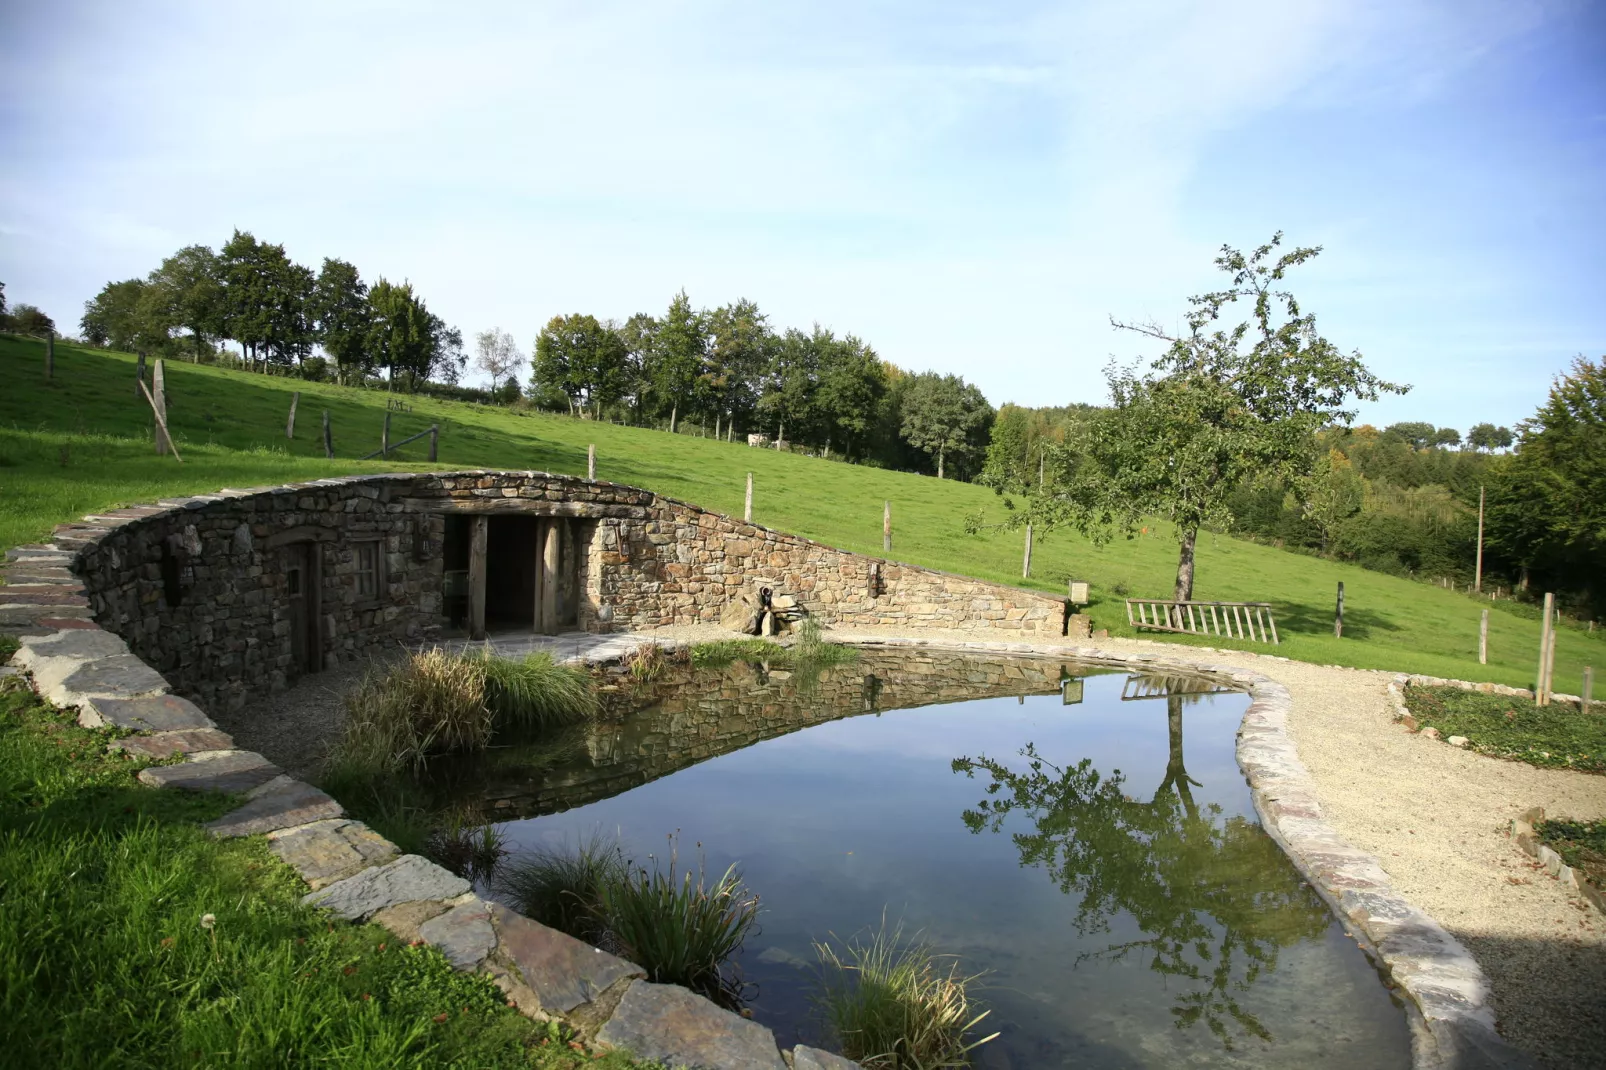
<point x="582" y="358"/>
<point x="112" y="317"/>
<point x="247" y="270"/>
<point x="496" y="353"/>
<point x="340" y="309"/>
<point x="1218" y="407"/>
<point x="946" y="418"/>
<point x="851" y="391"/>
<point x="1333" y="492"/>
<point x="1489" y="437"/>
<point x="1446" y="436"/>
<point x="27" y="319"/>
<point x="1415" y="432"/>
<point x="639" y="334"/>
<point x="681" y="343"/>
<point x="187" y="293"/>
<point x="741" y="347"/>
<point x="2" y="300"/>
<point x="1213" y="897"/>
<point x="1547" y="509"/>
<point x="791" y="381"/>
<point x="398" y="330"/>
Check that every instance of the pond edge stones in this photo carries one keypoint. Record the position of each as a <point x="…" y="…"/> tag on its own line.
<point x="358" y="875"/>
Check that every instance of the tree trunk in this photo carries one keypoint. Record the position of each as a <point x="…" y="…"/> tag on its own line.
<point x="939" y="462"/>
<point x="1184" y="591"/>
<point x="674" y="412"/>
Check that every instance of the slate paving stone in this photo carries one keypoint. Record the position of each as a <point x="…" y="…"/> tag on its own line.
<point x="562" y="971"/>
<point x="463" y="934"/>
<point x="282" y="802"/>
<point x="153" y="713"/>
<point x="167" y="744"/>
<point x="679" y="1028"/>
<point x="814" y="1059"/>
<point x="124" y="676"/>
<point x="323" y="852"/>
<point x="77" y="645"/>
<point x="408" y="878"/>
<point x="231" y="773"/>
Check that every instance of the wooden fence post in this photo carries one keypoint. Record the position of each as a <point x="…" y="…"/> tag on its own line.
<point x="161" y="422"/>
<point x="886" y="526"/>
<point x="1026" y="565"/>
<point x="1477" y="580"/>
<point x="747" y="512"/>
<point x="50" y="354"/>
<point x="328" y="437"/>
<point x="1541" y="688"/>
<point x="1586" y="699"/>
<point x="434" y="442"/>
<point x="384" y="438"/>
<point x="159" y="393"/>
<point x="139" y="375"/>
<point x="591" y="462"/>
<point x="290" y="424"/>
<point x="1483" y="639"/>
<point x="1338" y="614"/>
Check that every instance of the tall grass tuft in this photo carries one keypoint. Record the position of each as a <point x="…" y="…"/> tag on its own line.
<point x="396" y="718"/>
<point x="535" y="692"/>
<point x="812" y="648"/>
<point x="466" y="845"/>
<point x="892" y="1007"/>
<point x="562" y="888"/>
<point x="679" y="929"/>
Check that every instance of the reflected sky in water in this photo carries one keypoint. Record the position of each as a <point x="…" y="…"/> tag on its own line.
<point x="1100" y="861"/>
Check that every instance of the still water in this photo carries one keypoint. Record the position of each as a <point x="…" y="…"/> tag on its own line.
<point x="1091" y="846"/>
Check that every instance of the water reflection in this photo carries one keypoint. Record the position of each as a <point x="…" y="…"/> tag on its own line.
<point x="1214" y="897"/>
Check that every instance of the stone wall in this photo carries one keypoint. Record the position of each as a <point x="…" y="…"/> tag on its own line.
<point x="200" y="587"/>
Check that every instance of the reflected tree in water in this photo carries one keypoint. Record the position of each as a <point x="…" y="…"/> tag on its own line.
<point x="1214" y="896"/>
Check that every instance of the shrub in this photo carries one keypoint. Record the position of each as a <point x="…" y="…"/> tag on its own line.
<point x="679" y="930"/>
<point x="893" y="1008"/>
<point x="563" y="888"/>
<point x="535" y="693"/>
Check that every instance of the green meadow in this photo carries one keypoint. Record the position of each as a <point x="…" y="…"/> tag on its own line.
<point x="82" y="441"/>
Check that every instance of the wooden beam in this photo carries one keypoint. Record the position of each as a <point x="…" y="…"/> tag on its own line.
<point x="551" y="555"/>
<point x="480" y="532"/>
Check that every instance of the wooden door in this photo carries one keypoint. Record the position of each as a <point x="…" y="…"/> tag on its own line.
<point x="301" y="588"/>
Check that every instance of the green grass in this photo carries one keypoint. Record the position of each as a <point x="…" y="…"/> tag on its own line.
<point x="1581" y="844"/>
<point x="104" y="961"/>
<point x="1557" y="736"/>
<point x="81" y="443"/>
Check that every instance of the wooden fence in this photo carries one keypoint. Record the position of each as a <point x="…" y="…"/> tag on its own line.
<point x="1235" y="620"/>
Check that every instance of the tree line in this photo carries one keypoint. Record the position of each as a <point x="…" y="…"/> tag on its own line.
<point x="279" y="312"/>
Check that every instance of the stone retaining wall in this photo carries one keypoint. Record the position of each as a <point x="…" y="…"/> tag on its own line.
<point x="199" y="586"/>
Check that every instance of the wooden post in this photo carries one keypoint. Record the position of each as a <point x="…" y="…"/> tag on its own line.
<point x="478" y="537"/>
<point x="159" y="393"/>
<point x="1483" y="639"/>
<point x="328" y="437"/>
<point x="591" y="462"/>
<point x="1338" y="615"/>
<point x="434" y="442"/>
<point x="1477" y="576"/>
<point x="384" y="437"/>
<point x="161" y="423"/>
<point x="50" y="354"/>
<point x="1026" y="565"/>
<point x="1541" y="690"/>
<point x="1040" y="456"/>
<point x="139" y="374"/>
<point x="1587" y="696"/>
<point x="886" y="527"/>
<point x="290" y="424"/>
<point x="551" y="553"/>
<point x="747" y="511"/>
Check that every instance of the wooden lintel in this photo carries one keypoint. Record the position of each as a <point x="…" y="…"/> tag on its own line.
<point x="524" y="507"/>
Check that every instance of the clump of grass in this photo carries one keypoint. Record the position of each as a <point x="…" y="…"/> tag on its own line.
<point x="430" y="704"/>
<point x="646" y="663"/>
<point x="1506" y="727"/>
<point x="679" y="929"/>
<point x="466" y="845"/>
<point x="1581" y="844"/>
<point x="562" y="888"/>
<point x="893" y="1007"/>
<point x="813" y="648"/>
<point x="535" y="692"/>
<point x="722" y="652"/>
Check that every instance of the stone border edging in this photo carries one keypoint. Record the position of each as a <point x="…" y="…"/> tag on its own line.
<point x="1452" y="1020"/>
<point x="1522" y="830"/>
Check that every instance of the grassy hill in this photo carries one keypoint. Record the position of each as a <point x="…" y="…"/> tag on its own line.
<point x="82" y="442"/>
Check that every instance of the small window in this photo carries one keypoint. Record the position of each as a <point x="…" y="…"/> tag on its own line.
<point x="370" y="571"/>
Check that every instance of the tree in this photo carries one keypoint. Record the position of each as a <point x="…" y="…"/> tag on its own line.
<point x="852" y="389"/>
<point x="1489" y="437"/>
<point x="1333" y="492"/>
<point x="27" y="319"/>
<point x="340" y="310"/>
<point x="1218" y="407"/>
<point x="639" y="334"/>
<point x="246" y="266"/>
<point x="1445" y="436"/>
<point x="582" y="358"/>
<point x="398" y="330"/>
<point x="740" y="349"/>
<point x="112" y="317"/>
<point x="678" y="359"/>
<point x="187" y="293"/>
<point x="496" y="353"/>
<point x="945" y="417"/>
<point x="1415" y="432"/>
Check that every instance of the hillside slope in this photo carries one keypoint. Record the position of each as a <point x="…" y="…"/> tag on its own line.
<point x="82" y="442"/>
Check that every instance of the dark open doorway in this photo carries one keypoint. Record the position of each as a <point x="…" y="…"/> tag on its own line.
<point x="514" y="572"/>
<point x="302" y="589"/>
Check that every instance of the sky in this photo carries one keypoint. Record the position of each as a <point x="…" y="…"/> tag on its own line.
<point x="975" y="189"/>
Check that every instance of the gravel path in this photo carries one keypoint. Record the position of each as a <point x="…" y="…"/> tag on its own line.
<point x="1436" y="817"/>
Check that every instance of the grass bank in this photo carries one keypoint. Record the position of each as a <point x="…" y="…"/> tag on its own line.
<point x="1557" y="736"/>
<point x="80" y="442"/>
<point x="105" y="962"/>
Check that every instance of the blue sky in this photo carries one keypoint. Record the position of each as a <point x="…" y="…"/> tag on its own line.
<point x="970" y="188"/>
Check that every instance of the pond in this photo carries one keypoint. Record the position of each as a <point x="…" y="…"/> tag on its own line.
<point x="1083" y="836"/>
